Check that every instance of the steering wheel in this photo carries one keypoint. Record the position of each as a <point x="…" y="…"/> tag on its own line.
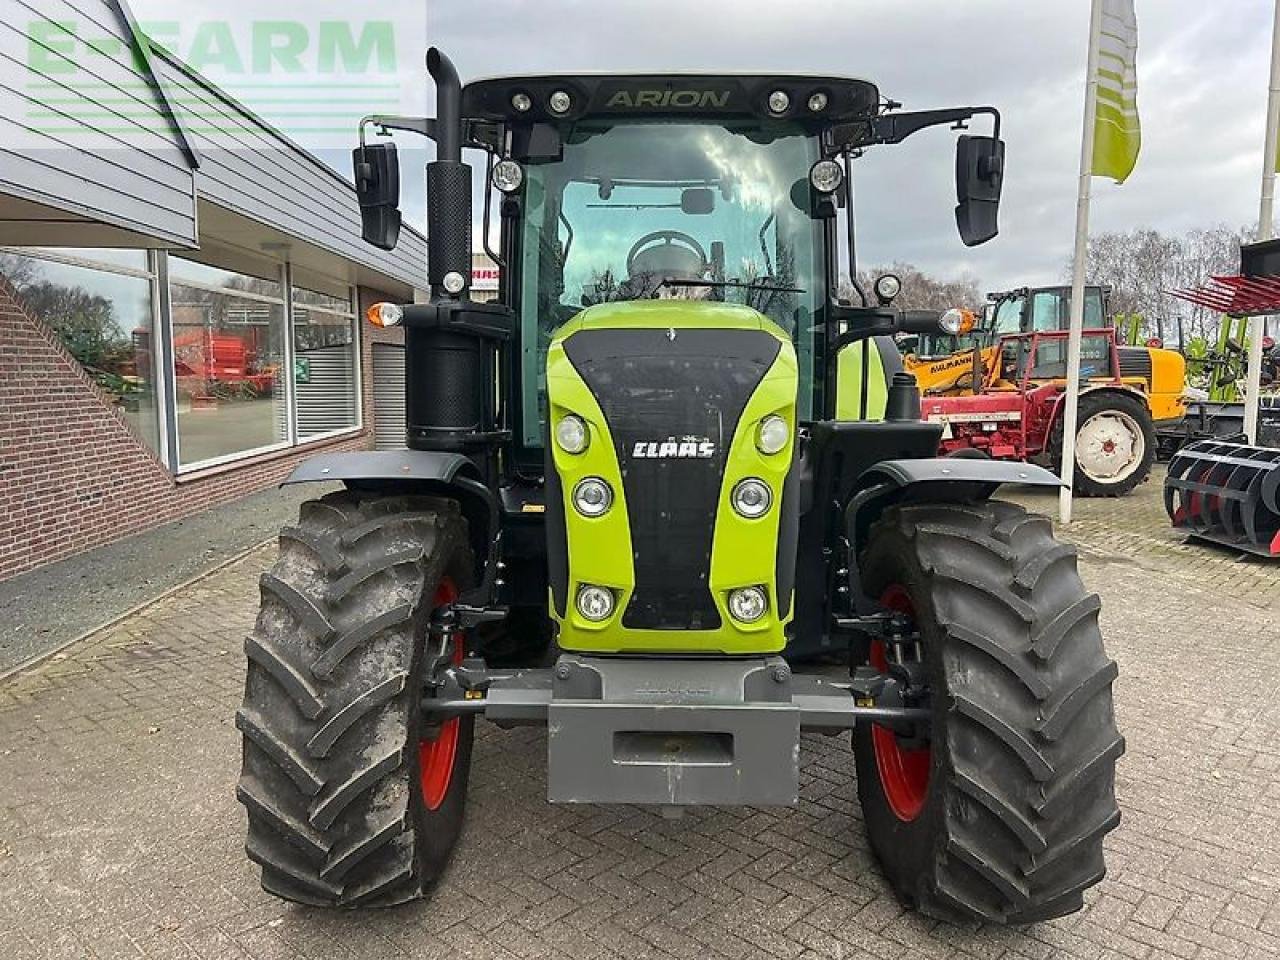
<point x="671" y="253"/>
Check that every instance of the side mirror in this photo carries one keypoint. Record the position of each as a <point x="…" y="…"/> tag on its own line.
<point x="377" y="174"/>
<point x="979" y="177"/>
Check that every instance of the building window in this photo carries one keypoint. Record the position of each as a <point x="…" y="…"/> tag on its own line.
<point x="326" y="382"/>
<point x="101" y="306"/>
<point x="229" y="351"/>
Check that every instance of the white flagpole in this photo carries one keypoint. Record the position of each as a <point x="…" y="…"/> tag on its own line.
<point x="1266" y="230"/>
<point x="1079" y="265"/>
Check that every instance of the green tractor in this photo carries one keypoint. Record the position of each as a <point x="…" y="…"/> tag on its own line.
<point x="628" y="511"/>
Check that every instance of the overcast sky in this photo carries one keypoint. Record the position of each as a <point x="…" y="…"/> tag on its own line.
<point x="1202" y="79"/>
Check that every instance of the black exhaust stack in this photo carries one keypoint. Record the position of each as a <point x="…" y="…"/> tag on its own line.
<point x="448" y="186"/>
<point x="452" y="343"/>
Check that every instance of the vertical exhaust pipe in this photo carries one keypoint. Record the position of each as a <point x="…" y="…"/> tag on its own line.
<point x="448" y="187"/>
<point x="446" y="364"/>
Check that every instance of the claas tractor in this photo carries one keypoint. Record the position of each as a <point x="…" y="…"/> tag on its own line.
<point x="628" y="482"/>
<point x="1002" y="393"/>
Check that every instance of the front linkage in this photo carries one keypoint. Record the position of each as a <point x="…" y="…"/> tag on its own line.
<point x="678" y="731"/>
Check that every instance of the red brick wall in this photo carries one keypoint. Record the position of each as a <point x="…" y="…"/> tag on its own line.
<point x="74" y="476"/>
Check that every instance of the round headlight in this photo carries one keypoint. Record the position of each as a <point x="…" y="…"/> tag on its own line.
<point x="595" y="603"/>
<point x="571" y="434"/>
<point x="560" y="102"/>
<point x="887" y="287"/>
<point x="826" y="176"/>
<point x="818" y="102"/>
<point x="384" y="314"/>
<point x="773" y="435"/>
<point x="779" y="102"/>
<point x="521" y="102"/>
<point x="592" y="497"/>
<point x="507" y="176"/>
<point x="752" y="498"/>
<point x="748" y="604"/>
<point x="454" y="282"/>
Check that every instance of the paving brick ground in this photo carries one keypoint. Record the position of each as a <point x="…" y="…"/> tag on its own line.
<point x="120" y="836"/>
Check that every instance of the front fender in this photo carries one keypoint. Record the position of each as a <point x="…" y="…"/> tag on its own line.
<point x="422" y="472"/>
<point x="930" y="479"/>
<point x="383" y="465"/>
<point x="977" y="479"/>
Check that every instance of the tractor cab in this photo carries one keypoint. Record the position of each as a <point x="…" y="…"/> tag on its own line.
<point x="1043" y="309"/>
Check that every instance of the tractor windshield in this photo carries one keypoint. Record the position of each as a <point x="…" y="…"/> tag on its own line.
<point x="646" y="209"/>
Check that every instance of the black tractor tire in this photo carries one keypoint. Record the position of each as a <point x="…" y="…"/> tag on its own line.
<point x="1022" y="744"/>
<point x="334" y="739"/>
<point x="1134" y="412"/>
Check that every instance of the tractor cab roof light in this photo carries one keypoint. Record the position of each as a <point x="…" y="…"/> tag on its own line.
<point x="560" y="102"/>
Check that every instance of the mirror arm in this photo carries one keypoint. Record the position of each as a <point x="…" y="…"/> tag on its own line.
<point x="896" y="127"/>
<point x="423" y="126"/>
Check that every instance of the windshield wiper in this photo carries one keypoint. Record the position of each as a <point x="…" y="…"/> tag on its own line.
<point x="720" y="284"/>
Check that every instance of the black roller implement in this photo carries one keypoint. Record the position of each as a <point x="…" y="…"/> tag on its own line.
<point x="1227" y="493"/>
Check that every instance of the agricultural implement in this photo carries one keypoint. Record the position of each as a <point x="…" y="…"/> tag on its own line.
<point x="1228" y="493"/>
<point x="644" y="448"/>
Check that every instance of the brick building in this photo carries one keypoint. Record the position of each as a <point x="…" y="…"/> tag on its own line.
<point x="179" y="299"/>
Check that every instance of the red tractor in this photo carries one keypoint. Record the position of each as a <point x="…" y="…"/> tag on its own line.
<point x="1018" y="411"/>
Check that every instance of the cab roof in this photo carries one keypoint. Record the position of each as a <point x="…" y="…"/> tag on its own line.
<point x="672" y="94"/>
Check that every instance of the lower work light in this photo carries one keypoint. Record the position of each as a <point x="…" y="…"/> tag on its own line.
<point x="595" y="603"/>
<point x="748" y="604"/>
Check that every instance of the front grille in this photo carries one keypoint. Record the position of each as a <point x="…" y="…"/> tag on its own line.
<point x="672" y="393"/>
<point x="1135" y="362"/>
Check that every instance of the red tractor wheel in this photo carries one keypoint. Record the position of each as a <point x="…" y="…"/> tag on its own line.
<point x="997" y="810"/>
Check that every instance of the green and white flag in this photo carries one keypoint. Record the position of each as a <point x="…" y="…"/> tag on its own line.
<point x="1117" y="135"/>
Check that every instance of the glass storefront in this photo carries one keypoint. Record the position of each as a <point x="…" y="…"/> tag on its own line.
<point x="247" y="376"/>
<point x="228" y="360"/>
<point x="101" y="305"/>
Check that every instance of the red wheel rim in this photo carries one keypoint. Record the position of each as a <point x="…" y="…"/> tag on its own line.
<point x="436" y="756"/>
<point x="904" y="774"/>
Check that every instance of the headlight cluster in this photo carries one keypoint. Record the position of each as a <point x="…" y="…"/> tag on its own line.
<point x="752" y="498"/>
<point x="773" y="434"/>
<point x="592" y="497"/>
<point x="572" y="434"/>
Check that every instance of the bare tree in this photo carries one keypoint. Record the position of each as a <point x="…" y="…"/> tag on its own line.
<point x="1142" y="264"/>
<point x="18" y="270"/>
